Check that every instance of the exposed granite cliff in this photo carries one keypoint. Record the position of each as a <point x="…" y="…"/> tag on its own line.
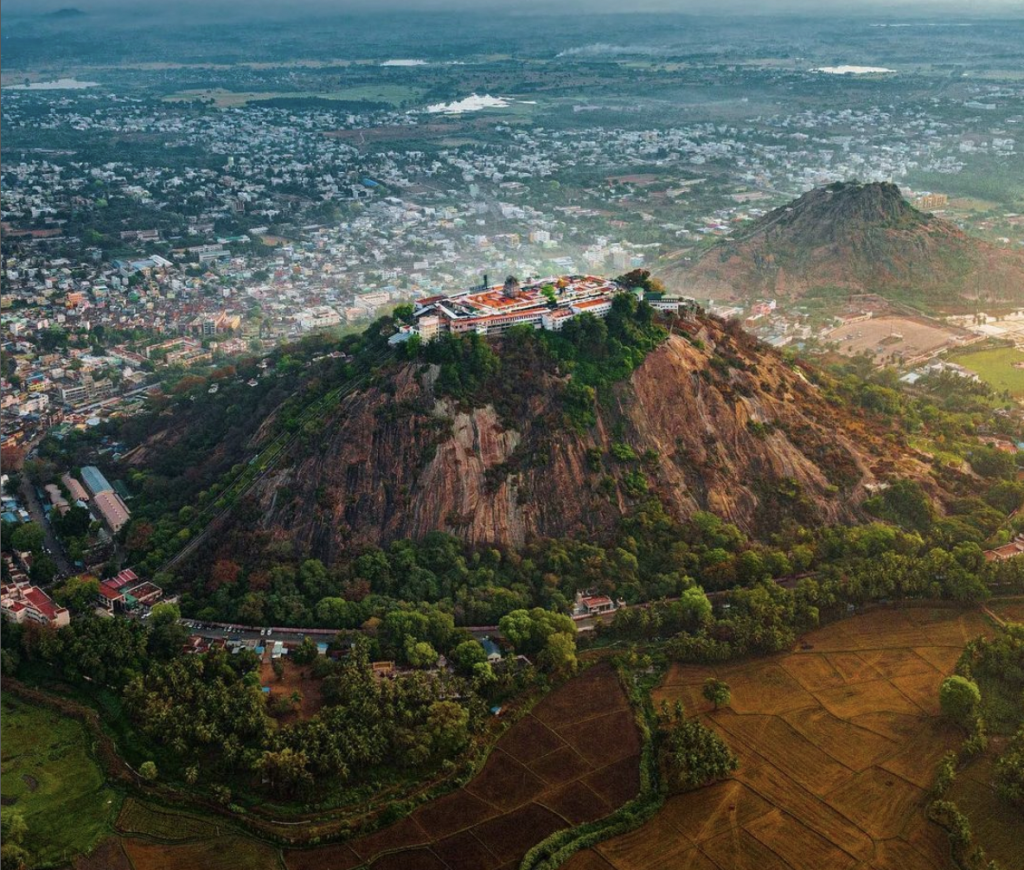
<point x="715" y="423"/>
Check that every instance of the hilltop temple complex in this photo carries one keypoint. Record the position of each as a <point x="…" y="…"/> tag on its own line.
<point x="547" y="303"/>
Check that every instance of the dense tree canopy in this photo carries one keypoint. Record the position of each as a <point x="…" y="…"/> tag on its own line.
<point x="694" y="754"/>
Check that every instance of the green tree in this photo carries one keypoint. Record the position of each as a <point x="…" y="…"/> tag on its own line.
<point x="286" y="770"/>
<point x="13" y="826"/>
<point x="467" y="655"/>
<point x="990" y="462"/>
<point x="528" y="630"/>
<point x="28" y="537"/>
<point x="166" y="633"/>
<point x="904" y="503"/>
<point x="73" y="524"/>
<point x="420" y="654"/>
<point x="78" y="593"/>
<point x="147" y="770"/>
<point x="1010" y="770"/>
<point x="717" y="692"/>
<point x="448" y="727"/>
<point x="13" y="831"/>
<point x="959" y="699"/>
<point x="306" y="653"/>
<point x="695" y="755"/>
<point x="559" y="653"/>
<point x="43" y="569"/>
<point x="333" y="612"/>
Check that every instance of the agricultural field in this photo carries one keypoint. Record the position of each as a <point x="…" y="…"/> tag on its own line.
<point x="153" y="822"/>
<point x="218" y="853"/>
<point x="996" y="367"/>
<point x="838" y="743"/>
<point x="573" y="759"/>
<point x="154" y="837"/>
<point x="52" y="779"/>
<point x="890" y="337"/>
<point x="1008" y="609"/>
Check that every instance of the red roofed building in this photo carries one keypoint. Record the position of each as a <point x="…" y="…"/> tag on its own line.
<point x="112" y="509"/>
<point x="1007" y="551"/>
<point x="25" y="603"/>
<point x="543" y="304"/>
<point x="110" y="596"/>
<point x="592" y="605"/>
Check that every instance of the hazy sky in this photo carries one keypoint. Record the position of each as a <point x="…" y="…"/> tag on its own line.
<point x="957" y="8"/>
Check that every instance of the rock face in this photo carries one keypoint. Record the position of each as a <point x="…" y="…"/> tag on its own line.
<point x="714" y="423"/>
<point x="857" y="238"/>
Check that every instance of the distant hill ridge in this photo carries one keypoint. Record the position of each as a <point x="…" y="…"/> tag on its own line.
<point x="857" y="237"/>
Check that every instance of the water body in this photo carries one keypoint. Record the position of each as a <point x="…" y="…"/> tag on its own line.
<point x="472" y="103"/>
<point x="852" y="70"/>
<point x="56" y="85"/>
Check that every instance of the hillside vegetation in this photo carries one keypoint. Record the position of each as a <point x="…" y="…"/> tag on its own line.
<point x="849" y="238"/>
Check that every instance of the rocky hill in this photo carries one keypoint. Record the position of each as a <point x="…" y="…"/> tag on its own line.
<point x="856" y="238"/>
<point x="711" y="421"/>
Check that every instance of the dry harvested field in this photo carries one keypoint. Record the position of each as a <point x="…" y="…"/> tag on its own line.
<point x="108" y="855"/>
<point x="156" y="838"/>
<point x="573" y="759"/>
<point x="890" y="335"/>
<point x="218" y="853"/>
<point x="838" y="743"/>
<point x="152" y="822"/>
<point x="1009" y="609"/>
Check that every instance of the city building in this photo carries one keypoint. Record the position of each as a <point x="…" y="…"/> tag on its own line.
<point x="113" y="511"/>
<point x="22" y="602"/>
<point x="74" y="488"/>
<point x="544" y="304"/>
<point x="593" y="605"/>
<point x="94" y="480"/>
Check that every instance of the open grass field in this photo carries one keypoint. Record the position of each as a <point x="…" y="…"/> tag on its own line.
<point x="838" y="743"/>
<point x="50" y="776"/>
<point x="574" y="758"/>
<point x="889" y="336"/>
<point x="995" y="367"/>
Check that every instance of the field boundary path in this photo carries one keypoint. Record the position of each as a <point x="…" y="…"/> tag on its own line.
<point x="838" y="742"/>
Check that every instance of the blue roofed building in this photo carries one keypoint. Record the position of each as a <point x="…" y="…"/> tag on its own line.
<point x="492" y="649"/>
<point x="94" y="480"/>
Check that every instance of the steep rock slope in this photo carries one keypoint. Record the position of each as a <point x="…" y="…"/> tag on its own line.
<point x="714" y="423"/>
<point x="860" y="238"/>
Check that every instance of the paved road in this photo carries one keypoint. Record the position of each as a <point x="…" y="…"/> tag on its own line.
<point x="35" y="511"/>
<point x="295" y="635"/>
<point x="286" y="635"/>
